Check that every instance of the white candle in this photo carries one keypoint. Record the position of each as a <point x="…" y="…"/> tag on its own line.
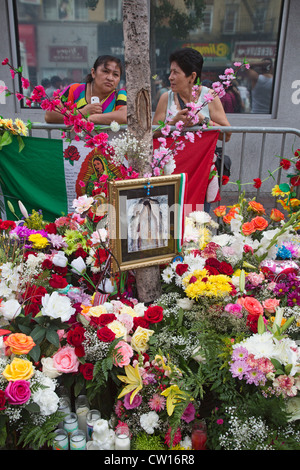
<point x="81" y="412"/>
<point x="78" y="440"/>
<point x="71" y="423"/>
<point x="122" y="442"/>
<point x="61" y="441"/>
<point x="91" y="418"/>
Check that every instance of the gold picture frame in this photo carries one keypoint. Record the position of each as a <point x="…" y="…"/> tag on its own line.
<point x="145" y="220"/>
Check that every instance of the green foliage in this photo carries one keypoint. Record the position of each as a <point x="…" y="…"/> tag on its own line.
<point x="37" y="437"/>
<point x="147" y="442"/>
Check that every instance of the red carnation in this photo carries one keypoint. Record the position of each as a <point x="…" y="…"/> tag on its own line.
<point x="212" y="271"/>
<point x="257" y="182"/>
<point x="2" y="400"/>
<point x="295" y="180"/>
<point x="51" y="228"/>
<point x="154" y="314"/>
<point x="47" y="264"/>
<point x="181" y="269"/>
<point x="106" y="335"/>
<point x="285" y="164"/>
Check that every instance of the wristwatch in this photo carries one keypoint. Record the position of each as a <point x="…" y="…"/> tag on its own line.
<point x="205" y="121"/>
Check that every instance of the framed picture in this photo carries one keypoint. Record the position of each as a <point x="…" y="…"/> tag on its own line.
<point x="146" y="220"/>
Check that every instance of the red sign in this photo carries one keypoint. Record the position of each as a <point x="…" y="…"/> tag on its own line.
<point x="68" y="53"/>
<point x="27" y="38"/>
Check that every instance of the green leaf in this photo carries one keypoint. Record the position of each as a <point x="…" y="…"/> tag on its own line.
<point x="284" y="187"/>
<point x="5" y="139"/>
<point x="38" y="334"/>
<point x="52" y="337"/>
<point x="260" y="325"/>
<point x="35" y="353"/>
<point x="21" y="143"/>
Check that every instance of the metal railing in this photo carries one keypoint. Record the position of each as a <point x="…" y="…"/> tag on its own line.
<point x="241" y="152"/>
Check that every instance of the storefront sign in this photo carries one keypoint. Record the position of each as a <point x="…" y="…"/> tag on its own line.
<point x="254" y="50"/>
<point x="211" y="50"/>
<point x="68" y="53"/>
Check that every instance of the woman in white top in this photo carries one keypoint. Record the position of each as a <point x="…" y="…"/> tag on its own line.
<point x="185" y="69"/>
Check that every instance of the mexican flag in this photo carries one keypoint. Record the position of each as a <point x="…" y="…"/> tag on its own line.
<point x="48" y="174"/>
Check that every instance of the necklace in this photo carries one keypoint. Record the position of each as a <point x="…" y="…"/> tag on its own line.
<point x="104" y="99"/>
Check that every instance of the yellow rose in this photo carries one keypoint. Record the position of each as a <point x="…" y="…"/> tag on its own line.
<point x="18" y="369"/>
<point x="118" y="328"/>
<point x="97" y="311"/>
<point x="129" y="311"/>
<point x="140" y="338"/>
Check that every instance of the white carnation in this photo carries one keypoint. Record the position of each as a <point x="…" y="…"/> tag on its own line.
<point x="47" y="400"/>
<point x="149" y="421"/>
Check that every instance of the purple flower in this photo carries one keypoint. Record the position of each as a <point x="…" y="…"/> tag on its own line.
<point x="293" y="299"/>
<point x="256" y="377"/>
<point x="135" y="402"/>
<point x="189" y="413"/>
<point x="240" y="353"/>
<point x="239" y="368"/>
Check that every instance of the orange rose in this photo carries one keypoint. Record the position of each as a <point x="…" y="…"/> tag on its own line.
<point x="248" y="228"/>
<point x="276" y="215"/>
<point x="220" y="211"/>
<point x="19" y="343"/>
<point x="260" y="223"/>
<point x="256" y="207"/>
<point x="253" y="306"/>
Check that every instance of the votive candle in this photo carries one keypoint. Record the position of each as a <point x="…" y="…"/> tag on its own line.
<point x="91" y="418"/>
<point x="122" y="440"/>
<point x="71" y="423"/>
<point x="61" y="441"/>
<point x="78" y="440"/>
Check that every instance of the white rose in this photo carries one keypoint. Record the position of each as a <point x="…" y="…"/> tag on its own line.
<point x="57" y="306"/>
<point x="140" y="309"/>
<point x="47" y="400"/>
<point x="60" y="259"/>
<point x="78" y="265"/>
<point x="118" y="328"/>
<point x="48" y="368"/>
<point x="10" y="309"/>
<point x="185" y="304"/>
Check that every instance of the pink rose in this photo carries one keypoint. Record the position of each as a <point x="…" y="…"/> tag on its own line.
<point x="234" y="309"/>
<point x="18" y="392"/>
<point x="123" y="354"/>
<point x="270" y="305"/>
<point x="253" y="306"/>
<point x="65" y="360"/>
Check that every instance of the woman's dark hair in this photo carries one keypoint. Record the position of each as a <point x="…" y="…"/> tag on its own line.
<point x="104" y="59"/>
<point x="189" y="60"/>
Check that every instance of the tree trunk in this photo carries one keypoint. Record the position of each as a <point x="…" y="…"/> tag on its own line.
<point x="136" y="15"/>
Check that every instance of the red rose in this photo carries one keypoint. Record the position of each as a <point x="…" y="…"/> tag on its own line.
<point x="76" y="336"/>
<point x="32" y="308"/>
<point x="60" y="270"/>
<point x="106" y="318"/>
<point x="2" y="400"/>
<point x="225" y="268"/>
<point x="154" y="314"/>
<point x="225" y="180"/>
<point x="140" y="321"/>
<point x="106" y="335"/>
<point x="297" y="165"/>
<point x="87" y="370"/>
<point x="58" y="282"/>
<point x="71" y="153"/>
<point x="34" y="294"/>
<point x="181" y="269"/>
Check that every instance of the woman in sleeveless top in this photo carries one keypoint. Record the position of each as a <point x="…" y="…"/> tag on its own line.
<point x="101" y="83"/>
<point x="185" y="69"/>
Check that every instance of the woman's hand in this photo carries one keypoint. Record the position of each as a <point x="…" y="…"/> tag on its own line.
<point x="92" y="108"/>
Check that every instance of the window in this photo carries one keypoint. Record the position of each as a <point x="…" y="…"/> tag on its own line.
<point x="64" y="37"/>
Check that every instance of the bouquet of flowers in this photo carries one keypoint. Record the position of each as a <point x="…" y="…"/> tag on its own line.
<point x="155" y="404"/>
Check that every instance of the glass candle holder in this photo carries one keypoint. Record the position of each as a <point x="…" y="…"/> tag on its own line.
<point x="82" y="408"/>
<point x="91" y="417"/>
<point x="64" y="407"/>
<point x="70" y="423"/>
<point x="122" y="439"/>
<point x="199" y="435"/>
<point x="78" y="440"/>
<point x="61" y="441"/>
